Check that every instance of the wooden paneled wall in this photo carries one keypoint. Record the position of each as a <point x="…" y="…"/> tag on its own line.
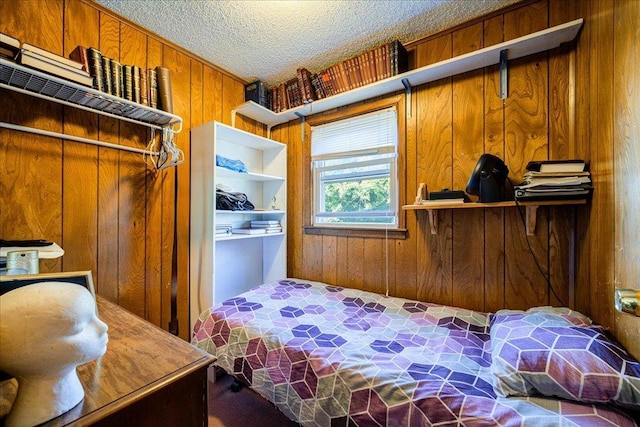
<point x="114" y="216"/>
<point x="577" y="101"/>
<point x="110" y="212"/>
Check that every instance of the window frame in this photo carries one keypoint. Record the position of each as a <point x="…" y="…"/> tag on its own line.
<point x="395" y="232"/>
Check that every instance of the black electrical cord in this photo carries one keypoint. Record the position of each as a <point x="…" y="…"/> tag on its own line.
<point x="546" y="277"/>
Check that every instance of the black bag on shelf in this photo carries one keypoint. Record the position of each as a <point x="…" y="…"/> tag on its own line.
<point x="229" y="200"/>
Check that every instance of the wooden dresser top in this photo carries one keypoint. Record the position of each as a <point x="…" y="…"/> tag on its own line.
<point x="140" y="359"/>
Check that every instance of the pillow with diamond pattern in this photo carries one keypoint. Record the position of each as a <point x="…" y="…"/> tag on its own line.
<point x="559" y="352"/>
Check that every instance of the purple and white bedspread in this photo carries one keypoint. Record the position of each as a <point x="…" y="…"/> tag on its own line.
<point x="334" y="356"/>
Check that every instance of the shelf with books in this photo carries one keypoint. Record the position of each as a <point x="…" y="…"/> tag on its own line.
<point x="527" y="45"/>
<point x="225" y="264"/>
<point x="530" y="206"/>
<point x="18" y="78"/>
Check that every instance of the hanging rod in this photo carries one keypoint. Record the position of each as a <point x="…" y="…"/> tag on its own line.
<point x="76" y="138"/>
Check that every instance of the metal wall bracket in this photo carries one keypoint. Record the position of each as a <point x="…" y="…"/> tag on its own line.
<point x="302" y="121"/>
<point x="407" y="92"/>
<point x="504" y="74"/>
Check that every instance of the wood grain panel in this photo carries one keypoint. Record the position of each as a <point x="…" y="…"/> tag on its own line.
<point x="108" y="178"/>
<point x="374" y="273"/>
<point x="180" y="65"/>
<point x="132" y="192"/>
<point x="526" y="131"/>
<point x="153" y="240"/>
<point x="295" y="201"/>
<point x="212" y="95"/>
<point x="329" y="259"/>
<point x="405" y="251"/>
<point x="434" y="167"/>
<point x="585" y="268"/>
<point x="31" y="197"/>
<point x="468" y="146"/>
<point x="626" y="103"/>
<point x="602" y="122"/>
<point x="122" y="231"/>
<point x="494" y="239"/>
<point x="562" y="133"/>
<point x="312" y="258"/>
<point x="80" y="173"/>
<point x="355" y="258"/>
<point x="232" y="95"/>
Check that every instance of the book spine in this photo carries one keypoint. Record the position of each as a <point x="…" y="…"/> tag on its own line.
<point x="165" y="97"/>
<point x="127" y="79"/>
<point x="254" y="91"/>
<point x="116" y="78"/>
<point x="403" y="59"/>
<point x="136" y="83"/>
<point x="106" y="75"/>
<point x="301" y="85"/>
<point x="144" y="88"/>
<point x="153" y="88"/>
<point x="95" y="68"/>
<point x="79" y="54"/>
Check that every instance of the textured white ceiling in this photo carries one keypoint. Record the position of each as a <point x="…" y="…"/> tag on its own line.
<point x="268" y="40"/>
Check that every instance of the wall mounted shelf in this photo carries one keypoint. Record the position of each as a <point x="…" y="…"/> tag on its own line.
<point x="531" y="209"/>
<point x="31" y="82"/>
<point x="527" y="45"/>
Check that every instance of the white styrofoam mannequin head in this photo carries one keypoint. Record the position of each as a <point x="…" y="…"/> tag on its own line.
<point x="46" y="330"/>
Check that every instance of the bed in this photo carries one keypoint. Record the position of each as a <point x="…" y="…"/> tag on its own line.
<point x="332" y="356"/>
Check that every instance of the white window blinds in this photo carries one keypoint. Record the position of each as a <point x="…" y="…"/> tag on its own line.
<point x="376" y="131"/>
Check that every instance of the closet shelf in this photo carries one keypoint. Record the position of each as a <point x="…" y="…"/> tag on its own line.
<point x="228" y="237"/>
<point x="251" y="212"/>
<point x="18" y="78"/>
<point x="527" y="45"/>
<point x="248" y="176"/>
<point x="531" y="209"/>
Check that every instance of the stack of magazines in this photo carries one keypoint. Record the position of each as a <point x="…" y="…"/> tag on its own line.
<point x="555" y="180"/>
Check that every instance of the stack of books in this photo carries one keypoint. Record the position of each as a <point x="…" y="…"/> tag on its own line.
<point x="269" y="226"/>
<point x="260" y="227"/>
<point x="9" y="46"/>
<point x="223" y="229"/>
<point x="387" y="60"/>
<point x="555" y="180"/>
<point x="151" y="87"/>
<point x="248" y="231"/>
<point x="50" y="63"/>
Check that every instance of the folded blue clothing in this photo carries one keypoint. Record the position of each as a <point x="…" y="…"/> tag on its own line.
<point x="234" y="165"/>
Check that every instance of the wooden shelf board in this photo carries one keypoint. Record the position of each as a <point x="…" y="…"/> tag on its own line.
<point x="506" y="204"/>
<point x="248" y="176"/>
<point x="531" y="209"/>
<point x="527" y="45"/>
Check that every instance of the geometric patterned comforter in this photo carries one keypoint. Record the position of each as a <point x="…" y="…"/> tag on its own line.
<point x="332" y="356"/>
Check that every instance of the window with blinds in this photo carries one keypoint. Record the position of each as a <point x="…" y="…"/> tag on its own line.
<point x="354" y="164"/>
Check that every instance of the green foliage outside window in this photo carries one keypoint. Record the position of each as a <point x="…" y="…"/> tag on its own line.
<point x="358" y="196"/>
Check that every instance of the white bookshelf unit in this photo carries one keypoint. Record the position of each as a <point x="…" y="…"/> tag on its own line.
<point x="223" y="266"/>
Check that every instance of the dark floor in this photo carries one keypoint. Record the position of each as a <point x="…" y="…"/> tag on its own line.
<point x="244" y="408"/>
